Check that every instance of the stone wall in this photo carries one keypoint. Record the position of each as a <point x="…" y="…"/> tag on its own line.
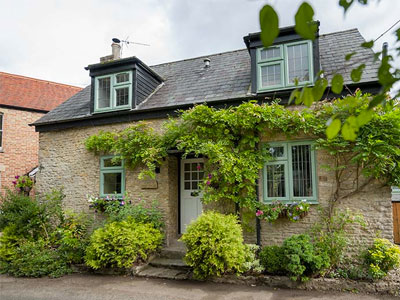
<point x="20" y="142"/>
<point x="65" y="163"/>
<point x="373" y="202"/>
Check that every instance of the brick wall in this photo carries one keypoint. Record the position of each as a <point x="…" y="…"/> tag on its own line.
<point x="20" y="145"/>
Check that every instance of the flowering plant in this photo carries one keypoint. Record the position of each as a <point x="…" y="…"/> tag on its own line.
<point x="102" y="204"/>
<point x="23" y="183"/>
<point x="293" y="211"/>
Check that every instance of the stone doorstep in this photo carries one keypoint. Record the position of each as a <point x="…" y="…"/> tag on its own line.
<point x="163" y="273"/>
<point x="169" y="263"/>
<point x="173" y="253"/>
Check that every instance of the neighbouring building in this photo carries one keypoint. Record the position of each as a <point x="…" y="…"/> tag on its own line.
<point x="24" y="100"/>
<point x="126" y="90"/>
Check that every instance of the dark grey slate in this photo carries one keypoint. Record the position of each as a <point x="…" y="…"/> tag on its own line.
<point x="228" y="77"/>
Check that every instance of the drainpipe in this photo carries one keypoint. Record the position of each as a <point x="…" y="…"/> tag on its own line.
<point x="258" y="222"/>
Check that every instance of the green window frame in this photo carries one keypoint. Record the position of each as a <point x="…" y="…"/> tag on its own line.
<point x="286" y="164"/>
<point x="115" y="89"/>
<point x="283" y="61"/>
<point x="105" y="171"/>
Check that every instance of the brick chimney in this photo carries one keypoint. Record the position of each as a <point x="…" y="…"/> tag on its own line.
<point x="116" y="53"/>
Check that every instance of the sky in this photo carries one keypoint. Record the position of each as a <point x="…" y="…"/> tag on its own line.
<point x="55" y="39"/>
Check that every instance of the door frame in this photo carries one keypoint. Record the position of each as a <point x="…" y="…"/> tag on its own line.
<point x="180" y="187"/>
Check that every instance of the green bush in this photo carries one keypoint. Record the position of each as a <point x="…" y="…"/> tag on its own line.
<point x="120" y="244"/>
<point x="302" y="260"/>
<point x="31" y="218"/>
<point x="381" y="257"/>
<point x="9" y="243"/>
<point x="214" y="245"/>
<point x="139" y="212"/>
<point x="252" y="263"/>
<point x="36" y="259"/>
<point x="72" y="237"/>
<point x="272" y="259"/>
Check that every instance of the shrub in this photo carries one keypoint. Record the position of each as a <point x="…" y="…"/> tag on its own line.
<point x="9" y="243"/>
<point x="252" y="263"/>
<point x="214" y="245"/>
<point x="331" y="233"/>
<point x="29" y="217"/>
<point x="36" y="259"/>
<point x="139" y="212"/>
<point x="72" y="237"/>
<point x="302" y="260"/>
<point x="120" y="244"/>
<point x="381" y="257"/>
<point x="272" y="259"/>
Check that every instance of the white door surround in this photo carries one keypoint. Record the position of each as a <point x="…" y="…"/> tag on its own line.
<point x="192" y="174"/>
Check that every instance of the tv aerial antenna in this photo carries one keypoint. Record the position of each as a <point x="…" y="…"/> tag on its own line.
<point x="126" y="43"/>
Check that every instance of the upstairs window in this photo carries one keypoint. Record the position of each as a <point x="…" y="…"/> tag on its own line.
<point x="278" y="67"/>
<point x="112" y="177"/>
<point x="291" y="175"/>
<point x="113" y="92"/>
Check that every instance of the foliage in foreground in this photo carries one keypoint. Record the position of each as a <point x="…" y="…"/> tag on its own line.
<point x="382" y="257"/>
<point x="120" y="244"/>
<point x="38" y="238"/>
<point x="215" y="245"/>
<point x="297" y="258"/>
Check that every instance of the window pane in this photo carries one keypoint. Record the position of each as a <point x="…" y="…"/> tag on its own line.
<point x="270" y="53"/>
<point x="298" y="63"/>
<point x="276" y="181"/>
<point x="109" y="163"/>
<point x="302" y="171"/>
<point x="1" y="122"/>
<point x="187" y="175"/>
<point x="112" y="183"/>
<point x="124" y="77"/>
<point x="1" y="139"/>
<point x="187" y="185"/>
<point x="271" y="75"/>
<point x="122" y="96"/>
<point x="277" y="151"/>
<point x="104" y="92"/>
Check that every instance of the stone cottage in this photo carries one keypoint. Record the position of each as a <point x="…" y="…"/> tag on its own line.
<point x="126" y="90"/>
<point x="23" y="100"/>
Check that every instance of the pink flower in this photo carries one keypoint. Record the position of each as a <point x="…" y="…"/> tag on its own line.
<point x="123" y="202"/>
<point x="14" y="182"/>
<point x="273" y="208"/>
<point x="16" y="177"/>
<point x="259" y="213"/>
<point x="209" y="176"/>
<point x="208" y="182"/>
<point x="198" y="167"/>
<point x="298" y="208"/>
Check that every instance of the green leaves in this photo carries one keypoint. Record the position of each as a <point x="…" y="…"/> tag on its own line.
<point x="269" y="24"/>
<point x="305" y="26"/>
<point x="333" y="128"/>
<point x="306" y="96"/>
<point x="349" y="56"/>
<point x="319" y="88"/>
<point x="385" y="77"/>
<point x="350" y="128"/>
<point x="357" y="73"/>
<point x="346" y="4"/>
<point x="368" y="45"/>
<point x="337" y="84"/>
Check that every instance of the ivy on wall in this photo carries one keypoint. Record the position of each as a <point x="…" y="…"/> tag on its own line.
<point x="230" y="139"/>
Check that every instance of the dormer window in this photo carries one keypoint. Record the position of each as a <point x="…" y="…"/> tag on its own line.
<point x="280" y="66"/>
<point x="113" y="92"/>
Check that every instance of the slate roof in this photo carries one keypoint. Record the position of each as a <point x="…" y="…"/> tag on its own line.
<point x="228" y="77"/>
<point x="31" y="93"/>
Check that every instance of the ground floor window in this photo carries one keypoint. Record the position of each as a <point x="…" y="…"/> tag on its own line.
<point x="112" y="177"/>
<point x="291" y="175"/>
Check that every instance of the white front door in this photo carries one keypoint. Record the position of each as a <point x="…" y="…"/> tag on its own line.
<point x="192" y="173"/>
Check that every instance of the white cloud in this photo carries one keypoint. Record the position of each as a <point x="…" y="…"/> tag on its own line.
<point x="55" y="40"/>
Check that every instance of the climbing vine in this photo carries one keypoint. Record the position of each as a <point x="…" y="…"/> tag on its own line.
<point x="230" y="139"/>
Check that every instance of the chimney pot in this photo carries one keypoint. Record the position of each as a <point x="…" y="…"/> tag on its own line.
<point x="116" y="50"/>
<point x="207" y="63"/>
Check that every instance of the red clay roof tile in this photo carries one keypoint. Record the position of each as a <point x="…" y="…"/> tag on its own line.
<point x="32" y="93"/>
